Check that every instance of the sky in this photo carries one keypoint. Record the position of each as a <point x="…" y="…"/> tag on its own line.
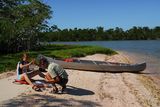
<point x="106" y="13"/>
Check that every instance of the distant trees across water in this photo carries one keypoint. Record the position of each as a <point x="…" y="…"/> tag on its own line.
<point x="23" y="25"/>
<point x="99" y="34"/>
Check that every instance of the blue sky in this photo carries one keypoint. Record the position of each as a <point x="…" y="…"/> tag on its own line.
<point x="105" y="13"/>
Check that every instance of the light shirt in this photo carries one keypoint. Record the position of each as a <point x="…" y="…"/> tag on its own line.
<point x="56" y="70"/>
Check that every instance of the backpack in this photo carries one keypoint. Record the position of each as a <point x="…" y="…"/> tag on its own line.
<point x="18" y="71"/>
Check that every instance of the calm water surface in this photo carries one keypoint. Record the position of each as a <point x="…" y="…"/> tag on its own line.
<point x="140" y="51"/>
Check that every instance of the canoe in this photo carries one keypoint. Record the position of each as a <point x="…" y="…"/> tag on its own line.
<point x="102" y="66"/>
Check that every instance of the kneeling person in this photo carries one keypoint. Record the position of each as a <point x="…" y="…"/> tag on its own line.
<point x="55" y="74"/>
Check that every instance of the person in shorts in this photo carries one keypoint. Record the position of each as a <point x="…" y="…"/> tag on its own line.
<point x="25" y="74"/>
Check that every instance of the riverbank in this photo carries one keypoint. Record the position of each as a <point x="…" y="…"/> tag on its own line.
<point x="9" y="61"/>
<point x="87" y="89"/>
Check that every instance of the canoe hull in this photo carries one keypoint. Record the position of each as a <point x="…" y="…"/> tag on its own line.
<point x="101" y="66"/>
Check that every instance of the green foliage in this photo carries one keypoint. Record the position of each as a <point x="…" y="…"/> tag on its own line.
<point x="79" y="52"/>
<point x="68" y="51"/>
<point x="135" y="33"/>
<point x="9" y="61"/>
<point x="20" y="23"/>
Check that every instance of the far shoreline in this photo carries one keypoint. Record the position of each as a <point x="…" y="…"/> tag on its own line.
<point x="9" y="61"/>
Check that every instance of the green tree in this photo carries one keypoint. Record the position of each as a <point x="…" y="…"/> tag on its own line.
<point x="20" y="23"/>
<point x="156" y="33"/>
<point x="135" y="33"/>
<point x="100" y="33"/>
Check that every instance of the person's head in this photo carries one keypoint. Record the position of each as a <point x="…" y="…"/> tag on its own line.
<point x="25" y="57"/>
<point x="43" y="63"/>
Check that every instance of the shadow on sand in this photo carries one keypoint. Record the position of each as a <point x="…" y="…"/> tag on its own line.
<point x="73" y="90"/>
<point x="52" y="100"/>
<point x="78" y="91"/>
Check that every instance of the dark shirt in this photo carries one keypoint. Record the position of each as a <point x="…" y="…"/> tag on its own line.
<point x="24" y="69"/>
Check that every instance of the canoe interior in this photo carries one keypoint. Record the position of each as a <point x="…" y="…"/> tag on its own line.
<point x="93" y="62"/>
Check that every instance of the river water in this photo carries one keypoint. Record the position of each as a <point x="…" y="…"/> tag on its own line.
<point x="140" y="51"/>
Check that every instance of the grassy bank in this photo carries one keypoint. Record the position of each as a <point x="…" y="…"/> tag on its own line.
<point x="8" y="62"/>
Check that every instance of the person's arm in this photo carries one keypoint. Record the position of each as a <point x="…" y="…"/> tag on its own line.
<point x="48" y="78"/>
<point x="26" y="65"/>
<point x="34" y="62"/>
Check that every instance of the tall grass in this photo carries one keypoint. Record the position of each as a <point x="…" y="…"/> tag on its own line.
<point x="8" y="62"/>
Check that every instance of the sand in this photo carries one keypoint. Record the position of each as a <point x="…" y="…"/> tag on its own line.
<point x="87" y="89"/>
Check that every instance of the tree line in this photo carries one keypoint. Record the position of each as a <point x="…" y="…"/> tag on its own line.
<point x="53" y="33"/>
<point x="23" y="26"/>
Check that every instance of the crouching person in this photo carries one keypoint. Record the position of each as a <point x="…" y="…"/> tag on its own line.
<point x="55" y="74"/>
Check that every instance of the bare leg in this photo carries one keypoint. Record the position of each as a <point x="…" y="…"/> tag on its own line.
<point x="34" y="73"/>
<point x="41" y="74"/>
<point x="25" y="77"/>
<point x="28" y="76"/>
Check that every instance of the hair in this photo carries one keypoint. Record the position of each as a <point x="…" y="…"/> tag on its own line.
<point x="44" y="60"/>
<point x="24" y="54"/>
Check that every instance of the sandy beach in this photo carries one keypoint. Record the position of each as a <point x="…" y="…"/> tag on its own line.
<point x="87" y="89"/>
